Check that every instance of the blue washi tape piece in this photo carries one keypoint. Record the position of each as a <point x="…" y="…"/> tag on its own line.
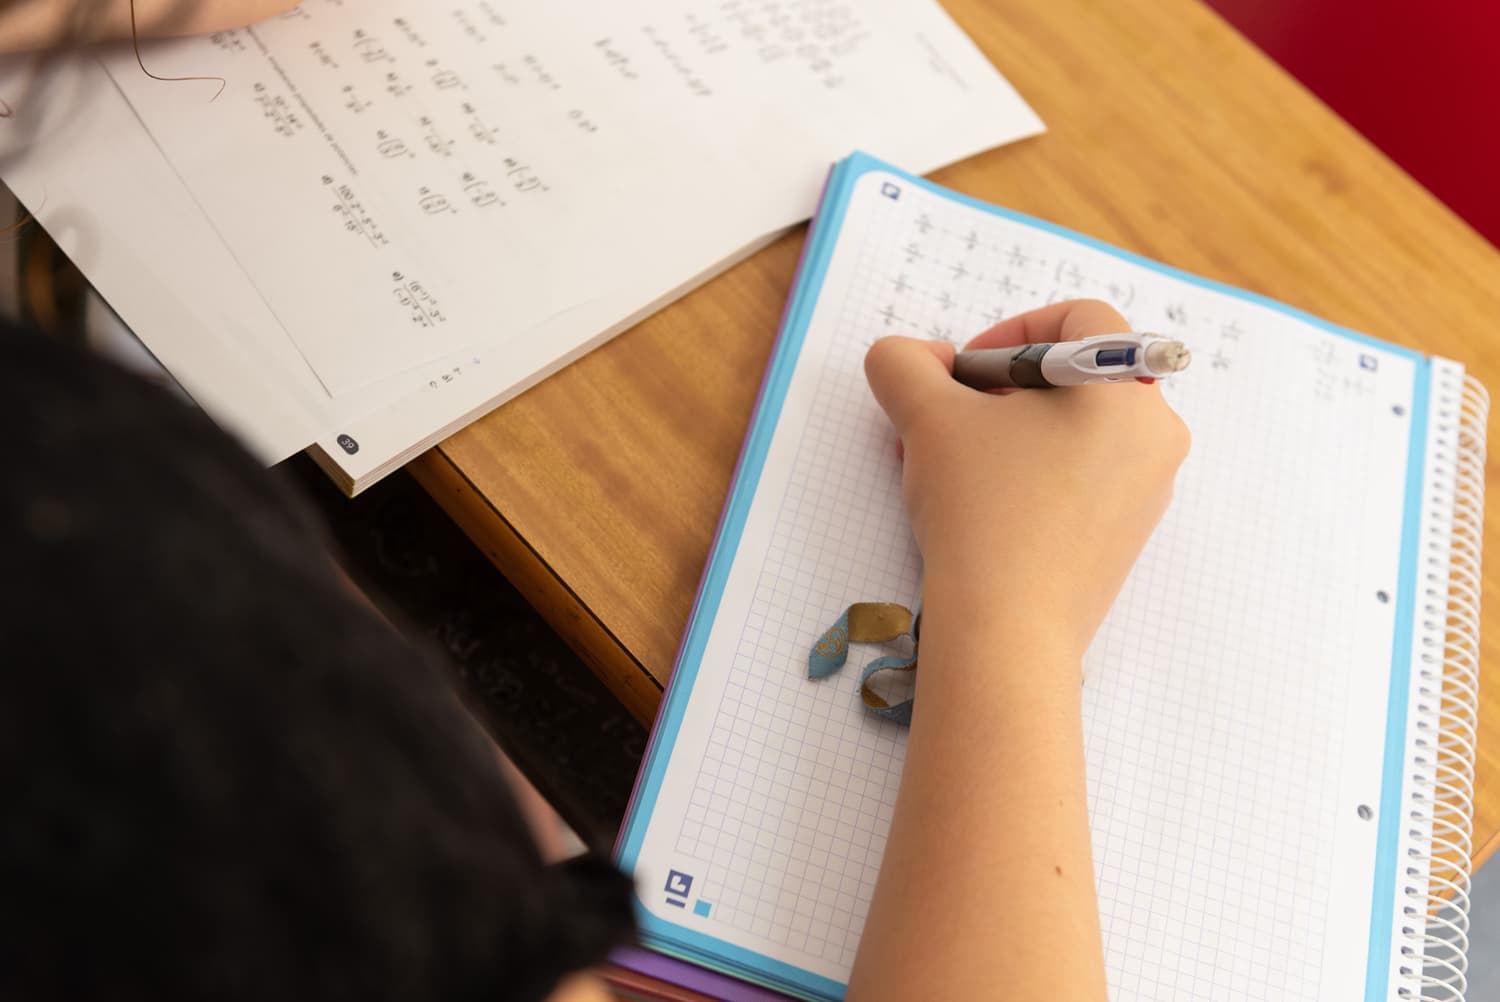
<point x="868" y="622"/>
<point x="831" y="651"/>
<point x="899" y="712"/>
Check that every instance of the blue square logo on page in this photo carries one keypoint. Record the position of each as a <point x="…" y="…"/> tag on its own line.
<point x="891" y="191"/>
<point x="679" y="885"/>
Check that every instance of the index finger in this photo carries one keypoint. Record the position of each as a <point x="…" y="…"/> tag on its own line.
<point x="1067" y="321"/>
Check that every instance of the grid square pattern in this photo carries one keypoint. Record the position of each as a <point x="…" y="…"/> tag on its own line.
<point x="1216" y="689"/>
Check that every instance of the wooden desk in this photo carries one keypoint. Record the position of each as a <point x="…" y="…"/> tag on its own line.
<point x="598" y="492"/>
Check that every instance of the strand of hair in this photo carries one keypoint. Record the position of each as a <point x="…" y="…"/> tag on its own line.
<point x="135" y="42"/>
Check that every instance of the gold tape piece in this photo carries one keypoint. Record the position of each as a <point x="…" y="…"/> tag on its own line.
<point x="878" y="622"/>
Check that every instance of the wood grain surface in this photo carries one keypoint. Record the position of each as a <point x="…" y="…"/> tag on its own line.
<point x="599" y="491"/>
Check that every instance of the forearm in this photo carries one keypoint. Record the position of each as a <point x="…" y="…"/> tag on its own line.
<point x="38" y="24"/>
<point x="987" y="884"/>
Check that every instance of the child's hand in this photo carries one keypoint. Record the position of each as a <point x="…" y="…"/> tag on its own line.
<point x="1037" y="501"/>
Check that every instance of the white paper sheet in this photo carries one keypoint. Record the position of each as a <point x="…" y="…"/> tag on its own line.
<point x="669" y="137"/>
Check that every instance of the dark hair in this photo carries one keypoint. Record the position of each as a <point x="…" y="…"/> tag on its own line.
<point x="220" y="773"/>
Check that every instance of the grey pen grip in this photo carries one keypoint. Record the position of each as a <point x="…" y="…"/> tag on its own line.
<point x="1002" y="368"/>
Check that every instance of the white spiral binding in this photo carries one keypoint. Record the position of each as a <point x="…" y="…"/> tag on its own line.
<point x="1433" y="880"/>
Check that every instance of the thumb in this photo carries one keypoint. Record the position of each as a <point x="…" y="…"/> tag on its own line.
<point x="906" y="375"/>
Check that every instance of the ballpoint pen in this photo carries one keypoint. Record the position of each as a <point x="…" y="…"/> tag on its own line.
<point x="1104" y="358"/>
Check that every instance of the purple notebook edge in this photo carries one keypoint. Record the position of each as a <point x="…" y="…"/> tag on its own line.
<point x="685" y="974"/>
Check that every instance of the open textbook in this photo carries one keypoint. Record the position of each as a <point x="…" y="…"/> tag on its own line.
<point x="396" y="216"/>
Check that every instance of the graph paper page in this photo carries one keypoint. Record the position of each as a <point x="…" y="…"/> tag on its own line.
<point x="1235" y="698"/>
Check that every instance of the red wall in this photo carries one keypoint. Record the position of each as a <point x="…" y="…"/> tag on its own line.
<point x="1420" y="78"/>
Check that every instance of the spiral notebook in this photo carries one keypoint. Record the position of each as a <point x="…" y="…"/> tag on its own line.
<point x="1279" y="709"/>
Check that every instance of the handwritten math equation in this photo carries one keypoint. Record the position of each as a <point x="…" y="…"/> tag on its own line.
<point x="951" y="282"/>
